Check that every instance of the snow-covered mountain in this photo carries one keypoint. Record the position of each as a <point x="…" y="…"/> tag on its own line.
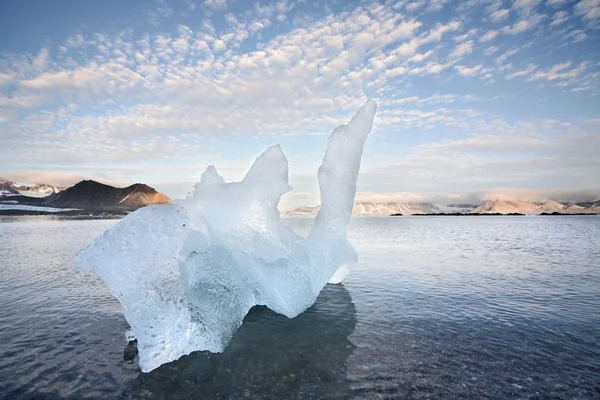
<point x="489" y="207"/>
<point x="10" y="188"/>
<point x="530" y="207"/>
<point x="365" y="208"/>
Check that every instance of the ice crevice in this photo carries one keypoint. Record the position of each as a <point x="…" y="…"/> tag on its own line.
<point x="186" y="273"/>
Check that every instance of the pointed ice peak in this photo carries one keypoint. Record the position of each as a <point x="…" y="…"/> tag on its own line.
<point x="270" y="171"/>
<point x="339" y="171"/>
<point x="211" y="176"/>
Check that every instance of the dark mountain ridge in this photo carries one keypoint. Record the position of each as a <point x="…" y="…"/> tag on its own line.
<point x="92" y="195"/>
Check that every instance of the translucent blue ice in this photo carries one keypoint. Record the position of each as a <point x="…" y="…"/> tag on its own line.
<point x="187" y="273"/>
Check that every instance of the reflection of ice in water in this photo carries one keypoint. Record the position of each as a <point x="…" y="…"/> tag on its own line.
<point x="187" y="273"/>
<point x="269" y="357"/>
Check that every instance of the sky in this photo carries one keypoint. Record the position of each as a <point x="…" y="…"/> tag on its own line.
<point x="475" y="96"/>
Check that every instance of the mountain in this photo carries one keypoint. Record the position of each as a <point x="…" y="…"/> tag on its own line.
<point x="366" y="208"/>
<point x="587" y="207"/>
<point x="489" y="207"/>
<point x="7" y="188"/>
<point x="39" y="190"/>
<point x="92" y="195"/>
<point x="464" y="206"/>
<point x="529" y="207"/>
<point x="10" y="188"/>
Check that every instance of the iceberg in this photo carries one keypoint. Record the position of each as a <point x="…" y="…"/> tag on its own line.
<point x="188" y="272"/>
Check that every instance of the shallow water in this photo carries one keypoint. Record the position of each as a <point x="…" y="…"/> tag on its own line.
<point x="438" y="307"/>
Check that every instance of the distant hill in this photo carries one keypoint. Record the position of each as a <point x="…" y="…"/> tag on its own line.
<point x="489" y="207"/>
<point x="588" y="207"/>
<point x="366" y="208"/>
<point x="10" y="188"/>
<point x="529" y="207"/>
<point x="92" y="195"/>
<point x="465" y="206"/>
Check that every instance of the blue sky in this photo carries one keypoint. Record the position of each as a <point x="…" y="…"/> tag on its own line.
<point x="473" y="95"/>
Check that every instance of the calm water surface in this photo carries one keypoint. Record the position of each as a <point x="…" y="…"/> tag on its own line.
<point x="438" y="307"/>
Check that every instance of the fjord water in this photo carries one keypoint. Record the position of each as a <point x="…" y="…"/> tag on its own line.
<point x="438" y="307"/>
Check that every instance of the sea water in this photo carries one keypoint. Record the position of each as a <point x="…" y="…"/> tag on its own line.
<point x="437" y="307"/>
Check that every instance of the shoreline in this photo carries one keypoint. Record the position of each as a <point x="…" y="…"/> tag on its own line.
<point x="118" y="214"/>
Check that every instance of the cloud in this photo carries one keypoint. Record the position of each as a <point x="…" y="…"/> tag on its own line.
<point x="420" y="57"/>
<point x="522" y="25"/>
<point x="559" y="17"/>
<point x="436" y="5"/>
<point x="589" y="10"/>
<point x="559" y="72"/>
<point x="215" y="4"/>
<point x="435" y="99"/>
<point x="499" y="15"/>
<point x="64" y="179"/>
<point x="542" y="154"/>
<point x="523" y="72"/>
<point x="461" y="50"/>
<point x="157" y="15"/>
<point x="480" y="196"/>
<point x="556" y="3"/>
<point x="184" y="94"/>
<point x="502" y="58"/>
<point x="468" y="71"/>
<point x="491" y="50"/>
<point x="165" y="94"/>
<point x="413" y="6"/>
<point x="525" y="5"/>
<point x="577" y="35"/>
<point x="489" y="35"/>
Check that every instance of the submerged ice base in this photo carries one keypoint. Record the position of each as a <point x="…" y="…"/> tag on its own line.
<point x="187" y="273"/>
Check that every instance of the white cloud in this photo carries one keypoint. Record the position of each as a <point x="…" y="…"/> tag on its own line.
<point x="413" y="6"/>
<point x="215" y="4"/>
<point x="436" y="5"/>
<point x="523" y="72"/>
<point x="64" y="179"/>
<point x="577" y="35"/>
<point x="559" y="18"/>
<point x="556" y="3"/>
<point x="559" y="72"/>
<point x="115" y="98"/>
<point x="420" y="57"/>
<point x="468" y="71"/>
<point x="435" y="99"/>
<point x="219" y="46"/>
<point x="42" y="60"/>
<point x="499" y="15"/>
<point x="500" y="60"/>
<point x="525" y="6"/>
<point x="157" y="15"/>
<point x="489" y="35"/>
<point x="588" y="9"/>
<point x="470" y="33"/>
<point x="521" y="26"/>
<point x="480" y="196"/>
<point x="490" y="50"/>
<point x="461" y="50"/>
<point x="541" y="155"/>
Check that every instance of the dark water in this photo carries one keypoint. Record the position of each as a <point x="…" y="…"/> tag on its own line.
<point x="438" y="307"/>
